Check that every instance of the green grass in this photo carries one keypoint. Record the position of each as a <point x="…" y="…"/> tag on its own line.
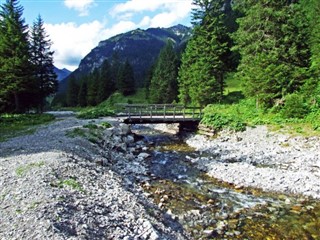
<point x="236" y="116"/>
<point x="76" y="132"/>
<point x="22" y="170"/>
<point x="70" y="183"/>
<point x="138" y="97"/>
<point x="107" y="107"/>
<point x="12" y="125"/>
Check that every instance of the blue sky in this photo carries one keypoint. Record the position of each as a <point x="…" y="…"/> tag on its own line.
<point x="77" y="26"/>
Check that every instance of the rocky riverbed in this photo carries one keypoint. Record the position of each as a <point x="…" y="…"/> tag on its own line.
<point x="262" y="159"/>
<point x="80" y="179"/>
<point x="75" y="179"/>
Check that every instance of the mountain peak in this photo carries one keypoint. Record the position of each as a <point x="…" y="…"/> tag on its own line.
<point x="140" y="47"/>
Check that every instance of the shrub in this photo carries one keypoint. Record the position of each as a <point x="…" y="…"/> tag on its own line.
<point x="294" y="107"/>
<point x="95" y="113"/>
<point x="219" y="122"/>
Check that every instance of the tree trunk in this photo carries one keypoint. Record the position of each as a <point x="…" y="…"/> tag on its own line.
<point x="17" y="102"/>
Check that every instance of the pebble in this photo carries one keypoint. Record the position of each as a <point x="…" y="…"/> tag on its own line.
<point x="261" y="160"/>
<point x="59" y="187"/>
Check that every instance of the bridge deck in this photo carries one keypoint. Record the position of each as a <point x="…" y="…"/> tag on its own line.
<point x="158" y="113"/>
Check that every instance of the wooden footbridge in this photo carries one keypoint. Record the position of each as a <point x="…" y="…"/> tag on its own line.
<point x="158" y="113"/>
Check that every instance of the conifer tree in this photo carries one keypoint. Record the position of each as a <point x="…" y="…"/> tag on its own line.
<point x="205" y="61"/>
<point x="126" y="79"/>
<point x="93" y="85"/>
<point x="272" y="40"/>
<point x="72" y="92"/>
<point x="15" y="69"/>
<point x="106" y="84"/>
<point x="163" y="86"/>
<point x="42" y="61"/>
<point x="83" y="92"/>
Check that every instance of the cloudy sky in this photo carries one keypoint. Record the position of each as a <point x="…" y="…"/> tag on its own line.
<point x="77" y="26"/>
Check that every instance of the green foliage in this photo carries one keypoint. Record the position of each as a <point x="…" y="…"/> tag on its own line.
<point x="106" y="82"/>
<point x="314" y="119"/>
<point x="76" y="132"/>
<point x="95" y="112"/>
<point x="207" y="56"/>
<point x="22" y="170"/>
<point x="218" y="122"/>
<point x="46" y="82"/>
<point x="72" y="92"/>
<point x="117" y="97"/>
<point x="15" y="68"/>
<point x="83" y="93"/>
<point x="12" y="125"/>
<point x="163" y="86"/>
<point x="295" y="106"/>
<point x="70" y="183"/>
<point x="272" y="40"/>
<point x="126" y="79"/>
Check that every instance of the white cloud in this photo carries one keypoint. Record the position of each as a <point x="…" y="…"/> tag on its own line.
<point x="72" y="42"/>
<point x="137" y="6"/>
<point x="167" y="12"/>
<point x="82" y="6"/>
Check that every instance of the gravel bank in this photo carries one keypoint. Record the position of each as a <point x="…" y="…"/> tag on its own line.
<point x="262" y="159"/>
<point x="57" y="187"/>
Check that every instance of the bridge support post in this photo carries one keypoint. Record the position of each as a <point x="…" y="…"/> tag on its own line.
<point x="188" y="126"/>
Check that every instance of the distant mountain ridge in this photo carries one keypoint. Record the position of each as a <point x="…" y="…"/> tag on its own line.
<point x="61" y="73"/>
<point x="139" y="47"/>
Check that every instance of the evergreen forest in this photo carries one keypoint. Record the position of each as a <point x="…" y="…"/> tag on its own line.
<point x="245" y="59"/>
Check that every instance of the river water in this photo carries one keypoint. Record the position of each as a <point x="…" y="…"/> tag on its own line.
<point x="210" y="209"/>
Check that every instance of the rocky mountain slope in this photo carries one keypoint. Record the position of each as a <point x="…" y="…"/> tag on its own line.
<point x="61" y="73"/>
<point x="139" y="47"/>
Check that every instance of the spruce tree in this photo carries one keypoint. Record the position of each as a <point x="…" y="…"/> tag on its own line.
<point x="272" y="40"/>
<point x="93" y="86"/>
<point x="163" y="86"/>
<point x="72" y="92"/>
<point x="15" y="69"/>
<point x="83" y="92"/>
<point x="42" y="61"/>
<point x="205" y="61"/>
<point x="126" y="79"/>
<point x="106" y="84"/>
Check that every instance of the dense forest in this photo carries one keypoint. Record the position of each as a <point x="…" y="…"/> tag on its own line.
<point x="269" y="47"/>
<point x="26" y="63"/>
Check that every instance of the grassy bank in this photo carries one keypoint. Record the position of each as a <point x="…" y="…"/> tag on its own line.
<point x="237" y="112"/>
<point x="12" y="125"/>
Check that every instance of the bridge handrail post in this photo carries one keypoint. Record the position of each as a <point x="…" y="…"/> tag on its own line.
<point x="184" y="112"/>
<point x="174" y="112"/>
<point x="164" y="111"/>
<point x="129" y="112"/>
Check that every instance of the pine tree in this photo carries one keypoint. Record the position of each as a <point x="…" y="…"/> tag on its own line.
<point x="163" y="86"/>
<point x="205" y="61"/>
<point x="83" y="92"/>
<point x="106" y="83"/>
<point x="126" y="79"/>
<point x="15" y="74"/>
<point x="72" y="92"/>
<point x="272" y="41"/>
<point x="42" y="61"/>
<point x="93" y="86"/>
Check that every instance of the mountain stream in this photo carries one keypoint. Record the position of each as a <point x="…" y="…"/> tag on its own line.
<point x="210" y="209"/>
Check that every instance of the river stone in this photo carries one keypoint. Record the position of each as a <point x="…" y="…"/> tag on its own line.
<point x="143" y="155"/>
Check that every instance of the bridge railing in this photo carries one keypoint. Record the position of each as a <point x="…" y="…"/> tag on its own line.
<point x="158" y="111"/>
